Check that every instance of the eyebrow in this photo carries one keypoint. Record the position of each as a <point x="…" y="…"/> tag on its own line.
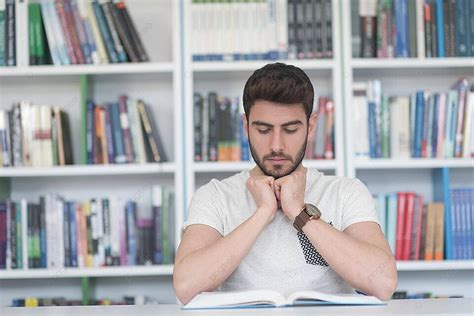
<point x="260" y="123"/>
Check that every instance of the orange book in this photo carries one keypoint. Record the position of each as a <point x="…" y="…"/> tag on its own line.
<point x="430" y="231"/>
<point x="439" y="232"/>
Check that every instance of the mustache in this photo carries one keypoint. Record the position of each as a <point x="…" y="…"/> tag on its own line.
<point x="278" y="156"/>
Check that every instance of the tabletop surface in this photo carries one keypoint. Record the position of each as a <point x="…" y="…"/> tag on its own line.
<point x="454" y="306"/>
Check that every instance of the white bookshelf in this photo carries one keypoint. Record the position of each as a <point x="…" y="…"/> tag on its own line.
<point x="402" y="76"/>
<point x="103" y="272"/>
<point x="158" y="83"/>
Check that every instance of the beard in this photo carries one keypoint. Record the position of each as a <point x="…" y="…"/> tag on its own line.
<point x="278" y="171"/>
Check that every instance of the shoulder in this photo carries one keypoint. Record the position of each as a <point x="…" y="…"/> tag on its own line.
<point x="221" y="188"/>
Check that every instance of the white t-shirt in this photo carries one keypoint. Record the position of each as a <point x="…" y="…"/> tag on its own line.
<point x="281" y="258"/>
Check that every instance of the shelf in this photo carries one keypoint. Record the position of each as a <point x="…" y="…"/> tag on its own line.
<point x="158" y="270"/>
<point x="435" y="265"/>
<point x="236" y="166"/>
<point x="413" y="163"/>
<point x="51" y="70"/>
<point x="397" y="63"/>
<point x="212" y="66"/>
<point x="88" y="170"/>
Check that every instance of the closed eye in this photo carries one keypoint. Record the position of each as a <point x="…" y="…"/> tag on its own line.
<point x="290" y="130"/>
<point x="264" y="131"/>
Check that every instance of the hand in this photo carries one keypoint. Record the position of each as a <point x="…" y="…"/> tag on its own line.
<point x="289" y="191"/>
<point x="262" y="190"/>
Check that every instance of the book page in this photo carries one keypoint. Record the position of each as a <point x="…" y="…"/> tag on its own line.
<point x="236" y="299"/>
<point x="313" y="297"/>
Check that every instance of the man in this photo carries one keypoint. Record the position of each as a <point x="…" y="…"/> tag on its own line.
<point x="280" y="225"/>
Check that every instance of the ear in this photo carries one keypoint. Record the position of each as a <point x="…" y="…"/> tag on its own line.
<point x="313" y="119"/>
<point x="245" y="125"/>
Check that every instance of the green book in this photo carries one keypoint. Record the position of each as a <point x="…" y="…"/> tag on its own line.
<point x="31" y="34"/>
<point x="85" y="285"/>
<point x="40" y="40"/>
<point x="385" y="127"/>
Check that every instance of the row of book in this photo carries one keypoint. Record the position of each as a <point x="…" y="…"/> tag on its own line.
<point x="322" y="145"/>
<point x="403" y="295"/>
<point x="218" y="130"/>
<point x="388" y="28"/>
<point x="258" y="30"/>
<point x="62" y="301"/>
<point x="423" y="125"/>
<point x="416" y="231"/>
<point x="57" y="233"/>
<point x="122" y="132"/>
<point x="447" y="28"/>
<point x="34" y="135"/>
<point x="64" y="32"/>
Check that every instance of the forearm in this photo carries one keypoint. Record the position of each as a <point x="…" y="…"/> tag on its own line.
<point x="206" y="268"/>
<point x="364" y="266"/>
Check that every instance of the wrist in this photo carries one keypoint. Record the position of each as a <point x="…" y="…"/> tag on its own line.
<point x="264" y="214"/>
<point x="294" y="211"/>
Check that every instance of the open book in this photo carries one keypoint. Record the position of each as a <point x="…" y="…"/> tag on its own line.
<point x="268" y="298"/>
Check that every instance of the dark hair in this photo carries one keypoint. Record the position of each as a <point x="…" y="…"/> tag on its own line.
<point x="279" y="83"/>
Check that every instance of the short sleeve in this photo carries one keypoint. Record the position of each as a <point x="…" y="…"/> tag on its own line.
<point x="204" y="209"/>
<point x="358" y="205"/>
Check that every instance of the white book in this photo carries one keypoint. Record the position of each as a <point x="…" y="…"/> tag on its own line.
<point x="281" y="17"/>
<point x="21" y="26"/>
<point x="114" y="227"/>
<point x="50" y="34"/>
<point x="46" y="141"/>
<point x="360" y="119"/>
<point x="468" y="141"/>
<point x="137" y="132"/>
<point x="400" y="127"/>
<point x="269" y="298"/>
<point x="58" y="31"/>
<point x="36" y="142"/>
<point x="27" y="132"/>
<point x="97" y="36"/>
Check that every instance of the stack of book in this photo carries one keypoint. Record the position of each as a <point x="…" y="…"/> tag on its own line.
<point x="388" y="28"/>
<point x="257" y="30"/>
<point x="64" y="32"/>
<point x="218" y="130"/>
<point x="423" y="125"/>
<point x="122" y="132"/>
<point x="57" y="233"/>
<point x="416" y="231"/>
<point x="61" y="301"/>
<point x="322" y="146"/>
<point x="34" y="135"/>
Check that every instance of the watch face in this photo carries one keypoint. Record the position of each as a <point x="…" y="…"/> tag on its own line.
<point x="312" y="210"/>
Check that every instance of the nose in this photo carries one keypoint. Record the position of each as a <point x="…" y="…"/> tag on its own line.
<point x="277" y="143"/>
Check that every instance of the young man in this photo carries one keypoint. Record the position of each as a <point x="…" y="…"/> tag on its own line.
<point x="280" y="225"/>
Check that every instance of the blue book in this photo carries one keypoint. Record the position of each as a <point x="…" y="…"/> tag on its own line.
<point x="420" y="109"/>
<point x="470" y="13"/>
<point x="466" y="220"/>
<point x="105" y="32"/>
<point x="67" y="235"/>
<point x="131" y="233"/>
<point x="392" y="220"/>
<point x="73" y="233"/>
<point x="401" y="20"/>
<point x="462" y="31"/>
<point x="440" y="28"/>
<point x="412" y="123"/>
<point x="441" y="194"/>
<point x="470" y="204"/>
<point x="372" y="130"/>
<point x="117" y="132"/>
<point x="456" y="225"/>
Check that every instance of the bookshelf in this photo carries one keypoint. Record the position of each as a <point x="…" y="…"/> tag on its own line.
<point x="228" y="78"/>
<point x="167" y="82"/>
<point x="158" y="83"/>
<point x="402" y="76"/>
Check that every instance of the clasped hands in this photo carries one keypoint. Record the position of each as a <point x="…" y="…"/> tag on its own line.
<point x="286" y="193"/>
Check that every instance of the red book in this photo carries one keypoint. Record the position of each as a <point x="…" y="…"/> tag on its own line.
<point x="401" y="201"/>
<point x="418" y="228"/>
<point x="407" y="238"/>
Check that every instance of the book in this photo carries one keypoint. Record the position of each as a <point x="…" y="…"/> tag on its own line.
<point x="269" y="298"/>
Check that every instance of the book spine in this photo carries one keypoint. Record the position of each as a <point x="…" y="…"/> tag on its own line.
<point x="3" y="235"/>
<point x="125" y="125"/>
<point x="2" y="33"/>
<point x="197" y="119"/>
<point x="81" y="30"/>
<point x="119" y="149"/>
<point x="109" y="134"/>
<point x="106" y="8"/>
<point x="67" y="29"/>
<point x="10" y="33"/>
<point x="124" y="36"/>
<point x="105" y="31"/>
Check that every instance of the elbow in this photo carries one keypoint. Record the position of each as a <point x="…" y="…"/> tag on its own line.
<point x="387" y="286"/>
<point x="182" y="289"/>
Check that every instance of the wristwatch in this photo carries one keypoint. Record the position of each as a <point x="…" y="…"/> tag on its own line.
<point x="308" y="212"/>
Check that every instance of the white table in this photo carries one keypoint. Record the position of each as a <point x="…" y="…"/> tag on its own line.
<point x="456" y="306"/>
